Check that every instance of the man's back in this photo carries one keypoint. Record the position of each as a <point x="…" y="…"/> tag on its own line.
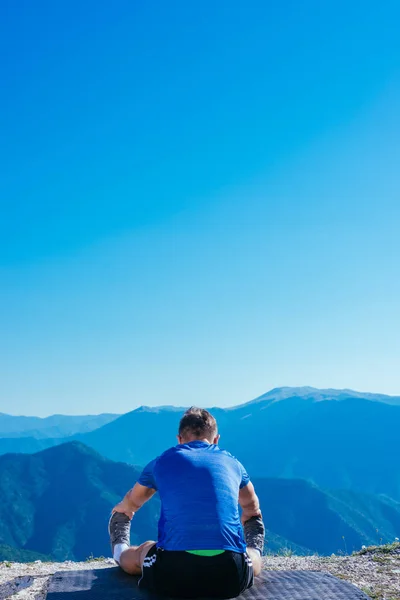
<point x="201" y="550"/>
<point x="199" y="486"/>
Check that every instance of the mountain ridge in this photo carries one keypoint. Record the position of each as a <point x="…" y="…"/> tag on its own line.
<point x="319" y="394"/>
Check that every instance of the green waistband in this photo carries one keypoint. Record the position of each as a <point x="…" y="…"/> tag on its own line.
<point x="206" y="552"/>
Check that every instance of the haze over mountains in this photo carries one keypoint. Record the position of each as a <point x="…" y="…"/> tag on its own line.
<point x="55" y="426"/>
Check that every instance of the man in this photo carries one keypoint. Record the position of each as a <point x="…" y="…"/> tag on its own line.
<point x="202" y="549"/>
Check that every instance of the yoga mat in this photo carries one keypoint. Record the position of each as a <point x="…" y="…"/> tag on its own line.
<point x="113" y="584"/>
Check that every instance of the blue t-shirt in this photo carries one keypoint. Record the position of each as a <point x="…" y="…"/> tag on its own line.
<point x="199" y="487"/>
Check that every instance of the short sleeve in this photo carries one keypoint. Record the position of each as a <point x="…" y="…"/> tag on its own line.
<point x="245" y="479"/>
<point x="147" y="478"/>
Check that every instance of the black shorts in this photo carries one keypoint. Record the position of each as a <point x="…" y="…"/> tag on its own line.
<point x="185" y="575"/>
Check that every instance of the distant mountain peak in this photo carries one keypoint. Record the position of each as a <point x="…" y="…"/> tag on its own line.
<point x="318" y="395"/>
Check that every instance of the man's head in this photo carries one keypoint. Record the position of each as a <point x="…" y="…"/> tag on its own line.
<point x="198" y="424"/>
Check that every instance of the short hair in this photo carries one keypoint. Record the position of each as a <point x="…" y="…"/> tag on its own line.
<point x="199" y="423"/>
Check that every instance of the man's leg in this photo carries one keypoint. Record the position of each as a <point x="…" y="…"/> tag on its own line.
<point x="256" y="560"/>
<point x="131" y="559"/>
<point x="254" y="533"/>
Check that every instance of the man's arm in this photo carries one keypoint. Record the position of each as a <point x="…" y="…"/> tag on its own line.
<point x="134" y="500"/>
<point x="249" y="502"/>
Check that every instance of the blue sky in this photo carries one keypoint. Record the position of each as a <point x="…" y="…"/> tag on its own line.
<point x="199" y="201"/>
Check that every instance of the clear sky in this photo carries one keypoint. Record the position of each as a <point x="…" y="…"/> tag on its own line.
<point x="199" y="201"/>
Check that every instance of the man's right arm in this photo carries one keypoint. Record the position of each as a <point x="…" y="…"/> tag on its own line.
<point x="134" y="500"/>
<point x="142" y="491"/>
<point x="249" y="502"/>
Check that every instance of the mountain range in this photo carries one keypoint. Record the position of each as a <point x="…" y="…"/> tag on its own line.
<point x="55" y="426"/>
<point x="56" y="503"/>
<point x="325" y="464"/>
<point x="334" y="439"/>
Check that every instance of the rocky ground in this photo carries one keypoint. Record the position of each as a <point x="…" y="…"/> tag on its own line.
<point x="376" y="571"/>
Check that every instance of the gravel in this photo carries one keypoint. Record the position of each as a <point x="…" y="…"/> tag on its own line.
<point x="377" y="574"/>
<point x="29" y="581"/>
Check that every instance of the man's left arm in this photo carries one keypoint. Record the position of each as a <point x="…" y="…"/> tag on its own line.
<point x="249" y="502"/>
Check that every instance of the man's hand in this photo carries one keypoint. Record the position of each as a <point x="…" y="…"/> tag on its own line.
<point x="134" y="500"/>
<point x="125" y="508"/>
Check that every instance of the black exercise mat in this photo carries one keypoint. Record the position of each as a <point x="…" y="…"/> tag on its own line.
<point x="113" y="584"/>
